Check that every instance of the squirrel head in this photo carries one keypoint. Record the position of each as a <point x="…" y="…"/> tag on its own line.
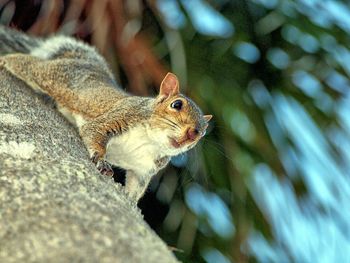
<point x="180" y="119"/>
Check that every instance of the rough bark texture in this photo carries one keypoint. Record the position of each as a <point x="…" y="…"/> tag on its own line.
<point x="54" y="206"/>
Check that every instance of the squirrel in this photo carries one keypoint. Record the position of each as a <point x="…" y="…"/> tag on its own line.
<point x="138" y="134"/>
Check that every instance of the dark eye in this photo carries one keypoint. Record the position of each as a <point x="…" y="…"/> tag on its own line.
<point x="177" y="104"/>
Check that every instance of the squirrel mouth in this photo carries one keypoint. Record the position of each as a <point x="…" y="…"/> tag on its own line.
<point x="191" y="136"/>
<point x="179" y="144"/>
<point x="175" y="143"/>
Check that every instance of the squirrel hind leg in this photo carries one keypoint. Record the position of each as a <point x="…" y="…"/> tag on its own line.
<point x="24" y="67"/>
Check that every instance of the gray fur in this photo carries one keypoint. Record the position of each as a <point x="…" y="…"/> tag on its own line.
<point x="135" y="133"/>
<point x="12" y="41"/>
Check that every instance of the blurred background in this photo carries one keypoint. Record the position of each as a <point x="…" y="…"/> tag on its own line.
<point x="270" y="182"/>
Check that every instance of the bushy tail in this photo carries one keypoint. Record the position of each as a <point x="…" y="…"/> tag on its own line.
<point x="12" y="41"/>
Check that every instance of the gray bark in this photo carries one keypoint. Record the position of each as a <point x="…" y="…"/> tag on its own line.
<point x="54" y="206"/>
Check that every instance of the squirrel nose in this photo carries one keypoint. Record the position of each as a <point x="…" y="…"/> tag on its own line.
<point x="192" y="133"/>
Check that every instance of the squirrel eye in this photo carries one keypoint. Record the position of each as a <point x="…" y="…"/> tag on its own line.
<point x="177" y="104"/>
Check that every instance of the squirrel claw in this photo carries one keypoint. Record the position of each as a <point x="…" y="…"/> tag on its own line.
<point x="104" y="168"/>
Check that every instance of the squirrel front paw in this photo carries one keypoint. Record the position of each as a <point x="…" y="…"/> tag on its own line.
<point x="102" y="165"/>
<point x="162" y="162"/>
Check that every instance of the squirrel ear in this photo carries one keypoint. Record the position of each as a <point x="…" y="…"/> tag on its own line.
<point x="169" y="85"/>
<point x="207" y="118"/>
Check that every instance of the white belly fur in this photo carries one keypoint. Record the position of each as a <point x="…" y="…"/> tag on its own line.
<point x="133" y="150"/>
<point x="75" y="119"/>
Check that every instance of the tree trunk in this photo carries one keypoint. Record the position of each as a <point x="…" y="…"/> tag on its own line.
<point x="54" y="206"/>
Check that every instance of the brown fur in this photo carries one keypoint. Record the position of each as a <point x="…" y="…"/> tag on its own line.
<point x="81" y="87"/>
<point x="136" y="133"/>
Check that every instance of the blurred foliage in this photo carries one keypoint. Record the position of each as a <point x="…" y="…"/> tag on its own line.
<point x="274" y="73"/>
